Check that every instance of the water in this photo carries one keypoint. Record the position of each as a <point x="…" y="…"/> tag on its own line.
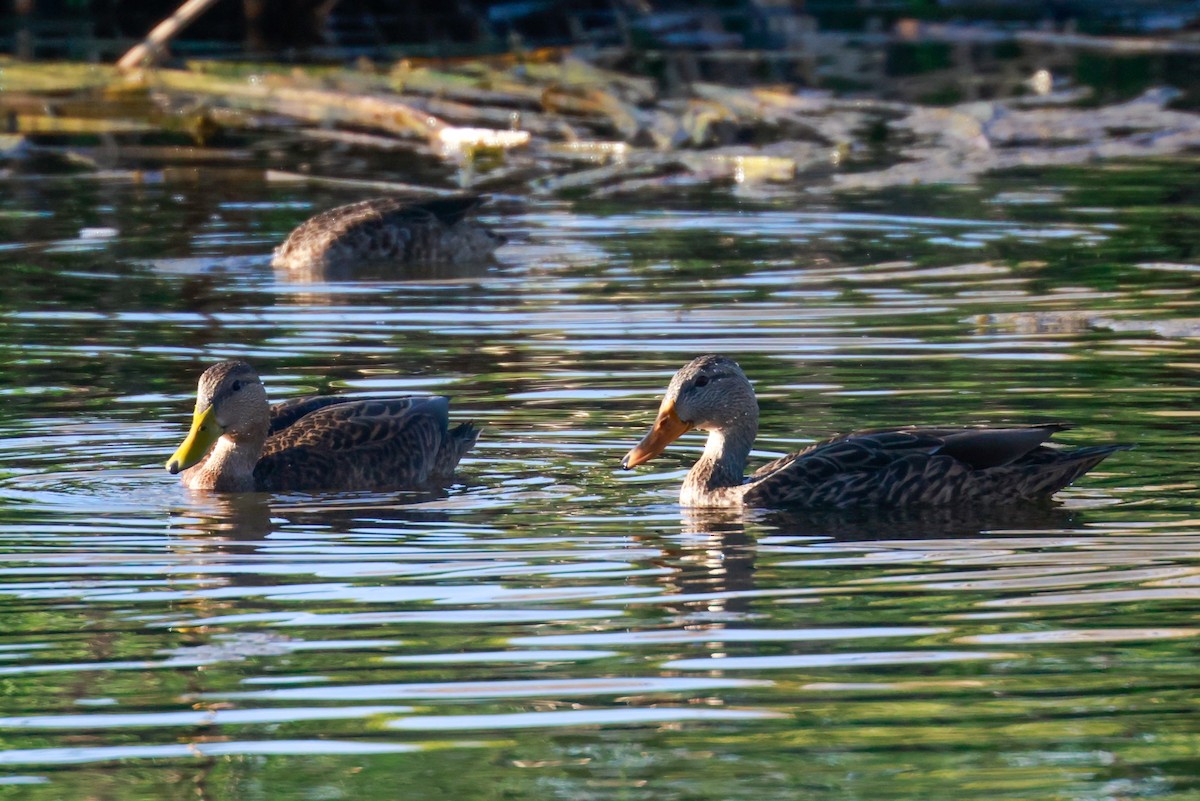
<point x="553" y="627"/>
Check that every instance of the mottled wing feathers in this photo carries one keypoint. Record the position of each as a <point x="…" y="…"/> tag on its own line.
<point x="932" y="466"/>
<point x="860" y="450"/>
<point x="288" y="412"/>
<point x="389" y="230"/>
<point x="360" y="444"/>
<point x="394" y="211"/>
<point x="381" y="229"/>
<point x="337" y="221"/>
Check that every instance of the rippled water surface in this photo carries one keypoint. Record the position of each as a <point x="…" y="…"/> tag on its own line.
<point x="553" y="627"/>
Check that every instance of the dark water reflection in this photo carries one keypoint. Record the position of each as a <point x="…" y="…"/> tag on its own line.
<point x="551" y="626"/>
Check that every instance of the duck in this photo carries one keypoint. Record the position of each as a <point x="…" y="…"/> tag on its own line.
<point x="239" y="442"/>
<point x="388" y="230"/>
<point x="908" y="466"/>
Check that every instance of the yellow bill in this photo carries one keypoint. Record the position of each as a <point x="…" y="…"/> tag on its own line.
<point x="667" y="428"/>
<point x="205" y="432"/>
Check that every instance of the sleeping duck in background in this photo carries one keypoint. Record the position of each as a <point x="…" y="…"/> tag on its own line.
<point x="240" y="443"/>
<point x="389" y="230"/>
<point x="896" y="467"/>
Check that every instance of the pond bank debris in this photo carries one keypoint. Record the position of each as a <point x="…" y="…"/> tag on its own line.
<point x="549" y="123"/>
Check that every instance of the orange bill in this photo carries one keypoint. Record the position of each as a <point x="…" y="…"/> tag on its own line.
<point x="667" y="428"/>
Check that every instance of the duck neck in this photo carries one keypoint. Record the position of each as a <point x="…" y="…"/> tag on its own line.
<point x="229" y="466"/>
<point x="723" y="463"/>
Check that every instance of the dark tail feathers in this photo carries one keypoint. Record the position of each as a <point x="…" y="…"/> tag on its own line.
<point x="459" y="440"/>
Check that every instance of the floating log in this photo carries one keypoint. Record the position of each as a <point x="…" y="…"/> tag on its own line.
<point x="312" y="105"/>
<point x="390" y="187"/>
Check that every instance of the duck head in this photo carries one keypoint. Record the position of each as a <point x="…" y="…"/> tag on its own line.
<point x="231" y="402"/>
<point x="710" y="393"/>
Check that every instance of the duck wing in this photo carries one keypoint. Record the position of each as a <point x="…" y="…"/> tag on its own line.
<point x="923" y="466"/>
<point x="357" y="444"/>
<point x="288" y="412"/>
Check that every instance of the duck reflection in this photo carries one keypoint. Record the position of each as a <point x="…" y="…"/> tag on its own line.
<point x="248" y="517"/>
<point x="711" y="566"/>
<point x="929" y="523"/>
<point x="224" y="517"/>
<point x="713" y="560"/>
<point x="234" y="545"/>
<point x="367" y="272"/>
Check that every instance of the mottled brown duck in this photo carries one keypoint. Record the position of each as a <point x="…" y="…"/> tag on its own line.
<point x="240" y="443"/>
<point x="884" y="468"/>
<point x="389" y="230"/>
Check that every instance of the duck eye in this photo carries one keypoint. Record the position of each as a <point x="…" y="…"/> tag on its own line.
<point x="702" y="381"/>
<point x="237" y="385"/>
